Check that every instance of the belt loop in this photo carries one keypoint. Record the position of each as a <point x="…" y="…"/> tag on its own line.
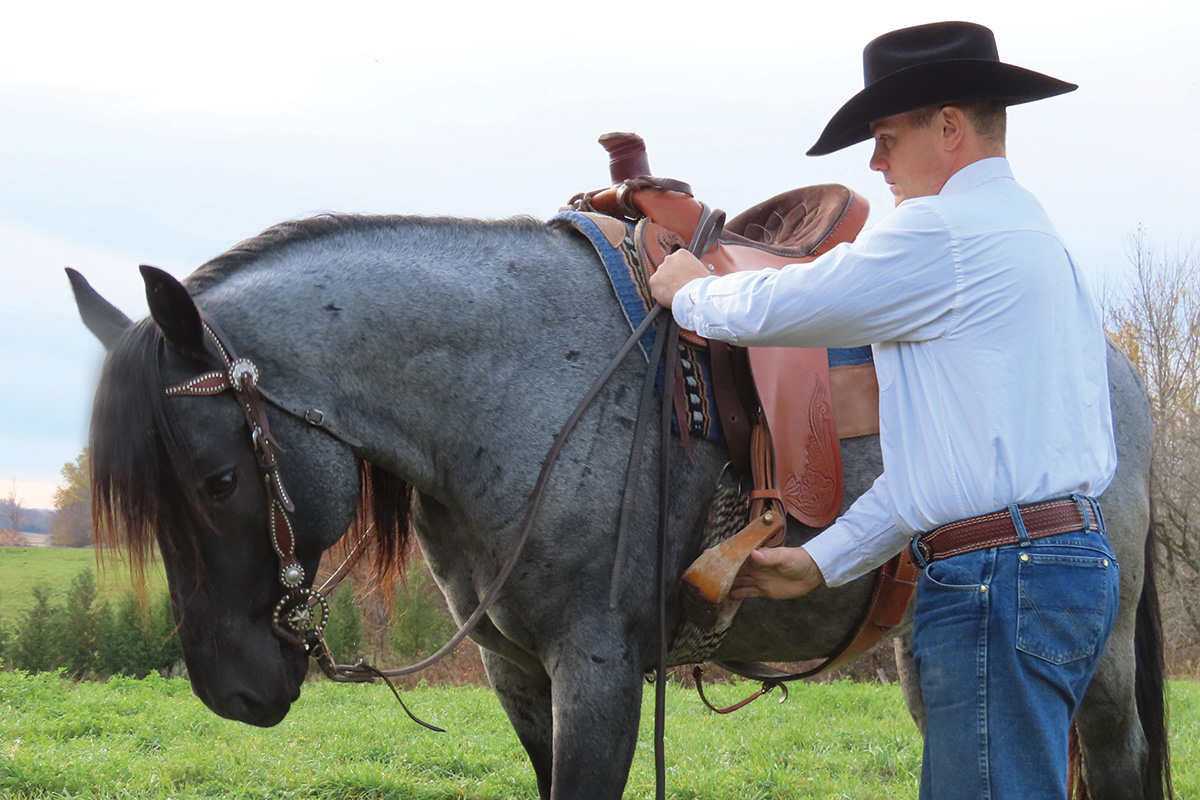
<point x="1080" y="499"/>
<point x="914" y="550"/>
<point x="1019" y="523"/>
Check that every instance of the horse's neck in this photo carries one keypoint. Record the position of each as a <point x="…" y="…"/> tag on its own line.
<point x="455" y="375"/>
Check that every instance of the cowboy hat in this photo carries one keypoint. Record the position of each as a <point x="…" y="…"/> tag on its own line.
<point x="940" y="63"/>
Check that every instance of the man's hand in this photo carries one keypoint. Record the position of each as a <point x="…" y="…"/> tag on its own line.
<point x="778" y="573"/>
<point x="673" y="274"/>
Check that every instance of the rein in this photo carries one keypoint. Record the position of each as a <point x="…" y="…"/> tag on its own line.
<point x="300" y="616"/>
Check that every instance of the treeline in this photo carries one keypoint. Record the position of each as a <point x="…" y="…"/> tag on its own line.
<point x="37" y="520"/>
<point x="88" y="638"/>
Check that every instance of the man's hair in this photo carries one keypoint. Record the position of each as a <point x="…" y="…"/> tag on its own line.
<point x="988" y="117"/>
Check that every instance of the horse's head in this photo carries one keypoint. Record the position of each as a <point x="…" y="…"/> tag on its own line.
<point x="181" y="472"/>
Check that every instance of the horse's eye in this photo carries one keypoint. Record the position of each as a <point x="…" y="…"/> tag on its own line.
<point x="221" y="486"/>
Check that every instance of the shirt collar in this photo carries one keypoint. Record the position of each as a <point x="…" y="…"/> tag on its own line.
<point x="977" y="173"/>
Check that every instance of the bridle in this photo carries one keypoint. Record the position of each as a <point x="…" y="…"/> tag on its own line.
<point x="300" y="616"/>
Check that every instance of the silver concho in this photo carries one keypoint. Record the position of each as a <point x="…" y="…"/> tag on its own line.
<point x="292" y="576"/>
<point x="300" y="613"/>
<point x="243" y="367"/>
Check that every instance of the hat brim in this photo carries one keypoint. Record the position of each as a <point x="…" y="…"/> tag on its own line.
<point x="932" y="83"/>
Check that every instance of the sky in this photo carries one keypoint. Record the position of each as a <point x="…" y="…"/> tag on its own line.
<point x="164" y="133"/>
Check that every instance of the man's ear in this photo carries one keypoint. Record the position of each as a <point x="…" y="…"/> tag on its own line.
<point x="954" y="126"/>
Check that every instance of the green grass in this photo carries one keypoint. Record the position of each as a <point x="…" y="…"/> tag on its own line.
<point x="153" y="739"/>
<point x="22" y="568"/>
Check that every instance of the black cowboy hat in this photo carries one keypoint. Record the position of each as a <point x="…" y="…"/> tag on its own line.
<point x="939" y="63"/>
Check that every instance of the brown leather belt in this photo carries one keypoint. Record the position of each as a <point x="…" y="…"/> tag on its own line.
<point x="1000" y="528"/>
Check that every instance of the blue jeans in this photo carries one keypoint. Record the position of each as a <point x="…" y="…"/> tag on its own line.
<point x="1005" y="642"/>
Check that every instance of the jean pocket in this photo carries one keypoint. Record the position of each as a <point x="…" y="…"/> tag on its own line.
<point x="963" y="573"/>
<point x="1066" y="604"/>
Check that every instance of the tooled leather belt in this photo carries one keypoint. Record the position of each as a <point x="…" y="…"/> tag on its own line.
<point x="1000" y="527"/>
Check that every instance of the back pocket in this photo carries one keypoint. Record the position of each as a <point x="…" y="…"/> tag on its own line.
<point x="1066" y="606"/>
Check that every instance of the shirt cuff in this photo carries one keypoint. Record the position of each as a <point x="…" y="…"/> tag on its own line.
<point x="683" y="305"/>
<point x="835" y="555"/>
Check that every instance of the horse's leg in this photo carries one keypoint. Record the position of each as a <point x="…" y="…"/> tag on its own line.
<point x="526" y="700"/>
<point x="910" y="681"/>
<point x="597" y="689"/>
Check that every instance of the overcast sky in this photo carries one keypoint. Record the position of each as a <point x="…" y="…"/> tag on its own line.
<point x="163" y="133"/>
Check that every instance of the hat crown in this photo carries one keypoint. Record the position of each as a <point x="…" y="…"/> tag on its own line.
<point x="925" y="44"/>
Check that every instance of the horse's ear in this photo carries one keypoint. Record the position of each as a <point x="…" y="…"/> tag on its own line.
<point x="101" y="317"/>
<point x="173" y="310"/>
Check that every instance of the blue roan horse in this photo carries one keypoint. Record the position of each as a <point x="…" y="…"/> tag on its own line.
<point x="454" y="350"/>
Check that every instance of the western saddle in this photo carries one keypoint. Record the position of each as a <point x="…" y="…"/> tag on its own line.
<point x="782" y="410"/>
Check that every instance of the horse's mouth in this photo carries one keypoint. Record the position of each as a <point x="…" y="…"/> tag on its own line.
<point x="255" y="699"/>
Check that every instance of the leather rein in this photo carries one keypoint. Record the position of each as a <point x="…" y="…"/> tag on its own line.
<point x="300" y="616"/>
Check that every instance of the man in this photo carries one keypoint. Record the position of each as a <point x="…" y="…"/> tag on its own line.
<point x="995" y="422"/>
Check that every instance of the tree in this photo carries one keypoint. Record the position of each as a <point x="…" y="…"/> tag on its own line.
<point x="77" y="481"/>
<point x="72" y="524"/>
<point x="1157" y="324"/>
<point x="35" y="649"/>
<point x="12" y="510"/>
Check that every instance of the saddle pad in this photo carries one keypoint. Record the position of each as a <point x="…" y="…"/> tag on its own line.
<point x="613" y="242"/>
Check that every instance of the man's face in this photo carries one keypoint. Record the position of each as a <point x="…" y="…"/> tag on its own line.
<point x="910" y="157"/>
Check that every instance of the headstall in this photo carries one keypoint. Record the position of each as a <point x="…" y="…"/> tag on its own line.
<point x="301" y="614"/>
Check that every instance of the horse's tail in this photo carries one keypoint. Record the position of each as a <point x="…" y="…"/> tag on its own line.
<point x="1149" y="686"/>
<point x="1150" y="679"/>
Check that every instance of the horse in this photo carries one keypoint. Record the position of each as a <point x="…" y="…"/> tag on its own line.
<point x="451" y="351"/>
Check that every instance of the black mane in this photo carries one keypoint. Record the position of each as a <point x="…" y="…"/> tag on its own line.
<point x="142" y="481"/>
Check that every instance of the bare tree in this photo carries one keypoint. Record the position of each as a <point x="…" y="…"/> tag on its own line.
<point x="12" y="510"/>
<point x="1157" y="323"/>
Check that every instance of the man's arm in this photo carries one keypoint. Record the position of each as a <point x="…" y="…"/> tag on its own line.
<point x="897" y="282"/>
<point x="863" y="538"/>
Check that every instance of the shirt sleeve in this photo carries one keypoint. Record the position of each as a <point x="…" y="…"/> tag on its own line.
<point x="897" y="282"/>
<point x="862" y="539"/>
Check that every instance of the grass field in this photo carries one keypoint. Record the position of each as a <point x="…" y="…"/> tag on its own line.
<point x="153" y="739"/>
<point x="22" y="568"/>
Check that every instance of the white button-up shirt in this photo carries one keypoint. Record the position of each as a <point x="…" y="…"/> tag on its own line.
<point x="993" y="381"/>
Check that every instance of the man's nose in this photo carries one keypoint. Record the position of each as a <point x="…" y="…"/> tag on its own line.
<point x="878" y="162"/>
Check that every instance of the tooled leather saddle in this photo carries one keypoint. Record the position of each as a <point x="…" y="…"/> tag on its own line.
<point x="785" y="425"/>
